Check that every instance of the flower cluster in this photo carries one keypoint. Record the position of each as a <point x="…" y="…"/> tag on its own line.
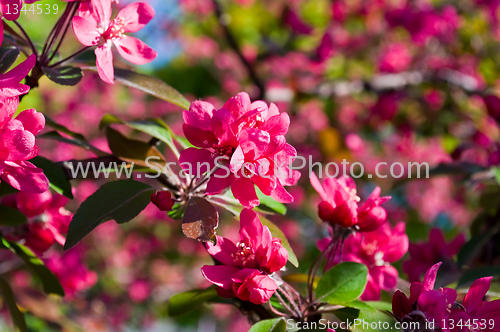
<point x="438" y="305"/>
<point x="340" y="204"/>
<point x="250" y="138"/>
<point x="247" y="266"/>
<point x="47" y="219"/>
<point x="17" y="134"/>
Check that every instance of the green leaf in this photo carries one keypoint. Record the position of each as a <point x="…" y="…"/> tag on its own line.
<point x="8" y="56"/>
<point x="472" y="275"/>
<point x="473" y="247"/>
<point x="6" y="189"/>
<point x="189" y="301"/>
<point x="65" y="75"/>
<point x="375" y="320"/>
<point x="269" y="325"/>
<point x="77" y="139"/>
<point x="343" y="283"/>
<point x="149" y="84"/>
<point x="276" y="232"/>
<point x="120" y="200"/>
<point x="11" y="217"/>
<point x="496" y="173"/>
<point x="154" y="127"/>
<point x="57" y="177"/>
<point x="132" y="150"/>
<point x="270" y="203"/>
<point x="15" y="314"/>
<point x="359" y="305"/>
<point x="50" y="283"/>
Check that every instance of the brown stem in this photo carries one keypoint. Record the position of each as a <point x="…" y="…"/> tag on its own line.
<point x="234" y="45"/>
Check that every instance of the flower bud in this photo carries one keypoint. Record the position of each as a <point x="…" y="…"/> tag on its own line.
<point x="372" y="219"/>
<point x="163" y="200"/>
<point x="325" y="211"/>
<point x="39" y="238"/>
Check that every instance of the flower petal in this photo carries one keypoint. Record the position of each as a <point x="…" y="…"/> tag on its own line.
<point x="105" y="64"/>
<point x="86" y="30"/>
<point x="135" y="16"/>
<point x="135" y="50"/>
<point x="219" y="275"/>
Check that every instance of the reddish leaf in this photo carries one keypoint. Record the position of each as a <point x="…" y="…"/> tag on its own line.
<point x="200" y="220"/>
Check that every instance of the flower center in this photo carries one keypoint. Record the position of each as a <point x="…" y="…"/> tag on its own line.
<point x="115" y="30"/>
<point x="245" y="255"/>
<point x="223" y="150"/>
<point x="353" y="194"/>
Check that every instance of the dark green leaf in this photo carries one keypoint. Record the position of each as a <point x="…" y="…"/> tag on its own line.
<point x="10" y="301"/>
<point x="6" y="189"/>
<point x="8" y="56"/>
<point x="269" y="202"/>
<point x="120" y="200"/>
<point x="473" y="247"/>
<point x="149" y="84"/>
<point x="11" y="217"/>
<point x="472" y="275"/>
<point x="189" y="301"/>
<point x="276" y="232"/>
<point x="64" y="75"/>
<point x="154" y="127"/>
<point x="343" y="283"/>
<point x="49" y="281"/>
<point x="269" y="325"/>
<point x="77" y="139"/>
<point x="57" y="177"/>
<point x="133" y="150"/>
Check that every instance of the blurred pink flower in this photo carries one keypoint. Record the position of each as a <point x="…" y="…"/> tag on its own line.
<point x="249" y="137"/>
<point x="247" y="264"/>
<point x="395" y="58"/>
<point x="97" y="26"/>
<point x="424" y="255"/>
<point x="71" y="271"/>
<point x="47" y="219"/>
<point x="296" y="23"/>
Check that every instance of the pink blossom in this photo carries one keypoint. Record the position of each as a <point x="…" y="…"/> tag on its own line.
<point x="249" y="138"/>
<point x="247" y="265"/>
<point x="376" y="250"/>
<point x="292" y="19"/>
<point x="395" y="58"/>
<point x="424" y="255"/>
<point x="17" y="146"/>
<point x="47" y="219"/>
<point x="97" y="29"/>
<point x="487" y="314"/>
<point x="69" y="268"/>
<point x="340" y="204"/>
<point x="434" y="304"/>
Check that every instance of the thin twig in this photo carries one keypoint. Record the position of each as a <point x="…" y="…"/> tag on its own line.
<point x="70" y="57"/>
<point x="234" y="45"/>
<point x="67" y="23"/>
<point x="28" y="40"/>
